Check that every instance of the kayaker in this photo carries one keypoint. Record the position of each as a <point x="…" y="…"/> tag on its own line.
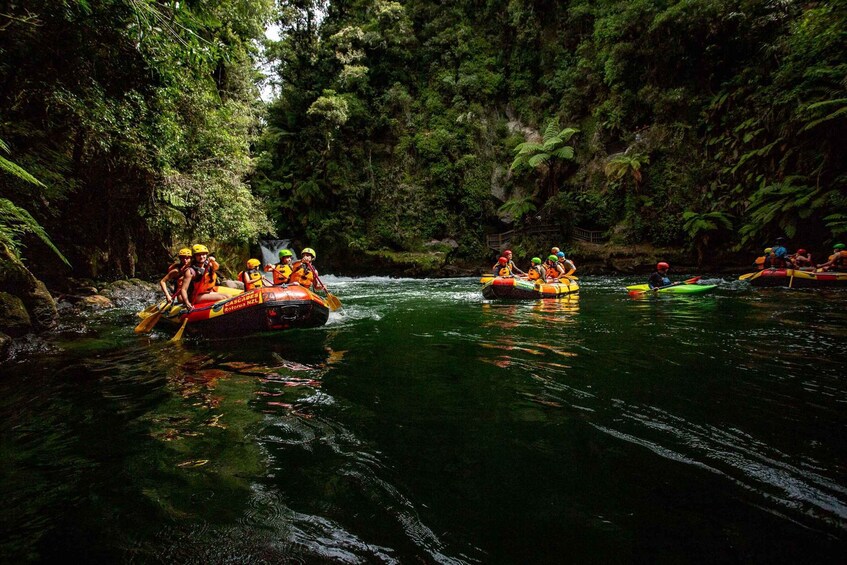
<point x="501" y="269"/>
<point x="837" y="261"/>
<point x="553" y="268"/>
<point x="802" y="260"/>
<point x="660" y="277"/>
<point x="779" y="254"/>
<point x="282" y="270"/>
<point x="200" y="281"/>
<point x="172" y="280"/>
<point x="568" y="267"/>
<point x="252" y="278"/>
<point x="537" y="272"/>
<point x="303" y="272"/>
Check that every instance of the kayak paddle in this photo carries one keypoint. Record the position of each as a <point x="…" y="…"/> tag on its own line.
<point x="692" y="280"/>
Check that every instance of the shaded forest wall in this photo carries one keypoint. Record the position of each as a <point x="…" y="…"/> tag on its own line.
<point x="701" y="124"/>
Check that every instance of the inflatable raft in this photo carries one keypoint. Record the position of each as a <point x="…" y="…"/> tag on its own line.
<point x="675" y="289"/>
<point x="268" y="309"/>
<point x="795" y="278"/>
<point x="522" y="289"/>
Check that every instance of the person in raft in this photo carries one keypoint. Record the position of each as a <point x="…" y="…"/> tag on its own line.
<point x="802" y="260"/>
<point x="200" y="283"/>
<point x="303" y="272"/>
<point x="779" y="255"/>
<point x="537" y="272"/>
<point x="568" y="267"/>
<point x="252" y="278"/>
<point x="172" y="280"/>
<point x="282" y="270"/>
<point x="764" y="262"/>
<point x="837" y="261"/>
<point x="501" y="269"/>
<point x="660" y="277"/>
<point x="512" y="267"/>
<point x="554" y="270"/>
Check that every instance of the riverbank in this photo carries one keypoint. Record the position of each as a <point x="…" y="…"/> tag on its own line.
<point x="590" y="258"/>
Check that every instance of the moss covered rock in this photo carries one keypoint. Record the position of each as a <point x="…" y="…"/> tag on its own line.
<point x="16" y="280"/>
<point x="14" y="318"/>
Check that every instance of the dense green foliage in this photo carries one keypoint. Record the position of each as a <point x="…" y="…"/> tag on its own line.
<point x="137" y="115"/>
<point x="701" y="122"/>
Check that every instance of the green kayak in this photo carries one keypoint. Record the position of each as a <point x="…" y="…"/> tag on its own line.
<point x="675" y="289"/>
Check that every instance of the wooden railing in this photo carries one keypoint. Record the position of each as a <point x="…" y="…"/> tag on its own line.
<point x="500" y="241"/>
<point x="591" y="236"/>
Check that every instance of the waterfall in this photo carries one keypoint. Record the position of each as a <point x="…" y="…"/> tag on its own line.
<point x="271" y="248"/>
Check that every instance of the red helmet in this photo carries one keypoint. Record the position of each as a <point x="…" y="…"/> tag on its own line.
<point x="502" y="260"/>
<point x="507" y="252"/>
<point x="801" y="252"/>
<point x="662" y="265"/>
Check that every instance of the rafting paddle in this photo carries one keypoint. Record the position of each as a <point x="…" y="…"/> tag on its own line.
<point x="148" y="323"/>
<point x="178" y="335"/>
<point x="334" y="303"/>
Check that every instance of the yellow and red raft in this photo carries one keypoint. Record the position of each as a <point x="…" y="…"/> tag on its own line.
<point x="512" y="288"/>
<point x="268" y="309"/>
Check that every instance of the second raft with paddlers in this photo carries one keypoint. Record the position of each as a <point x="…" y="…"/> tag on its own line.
<point x="552" y="278"/>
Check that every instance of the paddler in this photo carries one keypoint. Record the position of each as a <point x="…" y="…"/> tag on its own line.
<point x="175" y="273"/>
<point x="303" y="272"/>
<point x="779" y="255"/>
<point x="501" y="269"/>
<point x="837" y="261"/>
<point x="553" y="269"/>
<point x="282" y="270"/>
<point x="512" y="267"/>
<point x="200" y="281"/>
<point x="764" y="262"/>
<point x="660" y="277"/>
<point x="567" y="266"/>
<point x="802" y="260"/>
<point x="537" y="272"/>
<point x="252" y="278"/>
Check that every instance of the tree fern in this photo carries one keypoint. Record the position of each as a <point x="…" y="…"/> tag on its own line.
<point x="15" y="221"/>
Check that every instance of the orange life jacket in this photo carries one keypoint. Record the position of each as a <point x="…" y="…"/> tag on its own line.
<point x="303" y="274"/>
<point x="537" y="272"/>
<point x="553" y="272"/>
<point x="203" y="282"/>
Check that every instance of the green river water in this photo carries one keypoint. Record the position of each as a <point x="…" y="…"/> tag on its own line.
<point x="424" y="424"/>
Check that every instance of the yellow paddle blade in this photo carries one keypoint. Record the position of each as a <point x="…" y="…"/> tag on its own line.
<point x="750" y="276"/>
<point x="148" y="323"/>
<point x="333" y="301"/>
<point x="178" y="335"/>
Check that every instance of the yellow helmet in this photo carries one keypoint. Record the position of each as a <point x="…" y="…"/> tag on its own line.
<point x="768" y="250"/>
<point x="184" y="252"/>
<point x="253" y="263"/>
<point x="310" y="251"/>
<point x="199" y="249"/>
